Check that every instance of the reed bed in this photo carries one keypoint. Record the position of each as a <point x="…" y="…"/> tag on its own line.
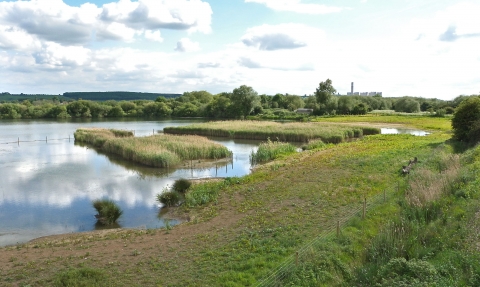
<point x="157" y="150"/>
<point x="286" y="132"/>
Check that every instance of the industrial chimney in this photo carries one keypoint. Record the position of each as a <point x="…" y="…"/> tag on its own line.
<point x="352" y="89"/>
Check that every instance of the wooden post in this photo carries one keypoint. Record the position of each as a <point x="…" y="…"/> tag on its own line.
<point x="338" y="228"/>
<point x="364" y="207"/>
<point x="296" y="258"/>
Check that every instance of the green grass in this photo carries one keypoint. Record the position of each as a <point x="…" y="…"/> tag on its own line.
<point x="286" y="132"/>
<point x="157" y="150"/>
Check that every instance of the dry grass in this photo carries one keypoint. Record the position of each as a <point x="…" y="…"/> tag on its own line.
<point x="427" y="186"/>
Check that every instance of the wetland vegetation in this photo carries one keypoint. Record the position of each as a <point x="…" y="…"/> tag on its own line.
<point x="286" y="132"/>
<point x="156" y="150"/>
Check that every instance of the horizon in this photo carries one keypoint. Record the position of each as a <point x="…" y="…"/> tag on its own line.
<point x="401" y="48"/>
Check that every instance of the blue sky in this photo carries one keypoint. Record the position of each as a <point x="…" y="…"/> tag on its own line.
<point x="427" y="48"/>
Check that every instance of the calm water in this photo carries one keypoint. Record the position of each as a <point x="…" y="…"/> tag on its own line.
<point x="47" y="182"/>
<point x="46" y="187"/>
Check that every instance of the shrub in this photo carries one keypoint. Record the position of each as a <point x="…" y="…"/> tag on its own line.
<point x="181" y="185"/>
<point x="169" y="198"/>
<point x="465" y="121"/>
<point x="108" y="211"/>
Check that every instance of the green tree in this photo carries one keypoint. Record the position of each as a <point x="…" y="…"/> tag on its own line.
<point x="243" y="99"/>
<point x="407" y="105"/>
<point x="466" y="120"/>
<point x="324" y="92"/>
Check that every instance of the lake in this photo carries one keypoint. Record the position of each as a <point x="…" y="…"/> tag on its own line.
<point x="48" y="183"/>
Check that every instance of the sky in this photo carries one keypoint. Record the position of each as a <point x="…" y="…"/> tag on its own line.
<point x="427" y="48"/>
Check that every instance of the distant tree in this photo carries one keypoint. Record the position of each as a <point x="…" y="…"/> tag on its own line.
<point x="407" y="105"/>
<point x="466" y="120"/>
<point x="243" y="98"/>
<point x="324" y="92"/>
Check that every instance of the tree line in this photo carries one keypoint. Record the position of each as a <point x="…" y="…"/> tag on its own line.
<point x="242" y="102"/>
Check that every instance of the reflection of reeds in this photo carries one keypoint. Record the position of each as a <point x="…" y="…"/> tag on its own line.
<point x="158" y="150"/>
<point x="290" y="132"/>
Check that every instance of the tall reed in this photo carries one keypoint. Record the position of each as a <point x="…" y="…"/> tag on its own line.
<point x="287" y="132"/>
<point x="271" y="150"/>
<point x="157" y="150"/>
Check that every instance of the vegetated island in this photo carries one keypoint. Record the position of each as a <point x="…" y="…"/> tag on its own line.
<point x="289" y="132"/>
<point x="156" y="150"/>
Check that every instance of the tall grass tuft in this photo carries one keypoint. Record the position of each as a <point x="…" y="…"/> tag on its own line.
<point x="169" y="198"/>
<point x="108" y="211"/>
<point x="181" y="185"/>
<point x="271" y="150"/>
<point x="157" y="150"/>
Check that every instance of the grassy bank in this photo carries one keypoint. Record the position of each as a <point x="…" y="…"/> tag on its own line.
<point x="242" y="231"/>
<point x="289" y="132"/>
<point x="158" y="150"/>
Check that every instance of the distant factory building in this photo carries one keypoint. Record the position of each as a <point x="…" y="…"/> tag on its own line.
<point x="352" y="93"/>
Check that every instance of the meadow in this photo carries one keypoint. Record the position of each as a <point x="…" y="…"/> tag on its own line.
<point x="339" y="215"/>
<point x="157" y="150"/>
<point x="286" y="132"/>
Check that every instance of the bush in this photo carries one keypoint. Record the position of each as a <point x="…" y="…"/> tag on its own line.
<point x="169" y="198"/>
<point x="181" y="185"/>
<point x="466" y="120"/>
<point x="108" y="211"/>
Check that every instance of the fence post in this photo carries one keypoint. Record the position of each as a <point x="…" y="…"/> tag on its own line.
<point x="364" y="207"/>
<point x="296" y="258"/>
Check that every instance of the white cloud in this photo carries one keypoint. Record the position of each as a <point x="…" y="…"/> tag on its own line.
<point x="297" y="6"/>
<point x="187" y="45"/>
<point x="153" y="36"/>
<point x="115" y="31"/>
<point x="194" y="15"/>
<point x="282" y="36"/>
<point x="54" y="21"/>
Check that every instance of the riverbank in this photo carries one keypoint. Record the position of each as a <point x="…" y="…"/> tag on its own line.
<point x="257" y="223"/>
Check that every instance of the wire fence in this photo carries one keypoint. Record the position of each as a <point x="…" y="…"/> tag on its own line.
<point x="281" y="272"/>
<point x="46" y="140"/>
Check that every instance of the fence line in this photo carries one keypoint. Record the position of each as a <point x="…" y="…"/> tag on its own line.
<point x="46" y="140"/>
<point x="331" y="229"/>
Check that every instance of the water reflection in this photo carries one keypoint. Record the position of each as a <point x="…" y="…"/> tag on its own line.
<point x="386" y="131"/>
